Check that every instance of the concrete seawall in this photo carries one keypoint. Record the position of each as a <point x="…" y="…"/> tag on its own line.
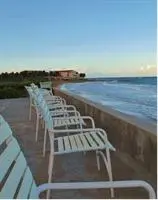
<point x="134" y="139"/>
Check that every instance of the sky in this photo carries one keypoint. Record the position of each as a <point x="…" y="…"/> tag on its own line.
<point x="97" y="37"/>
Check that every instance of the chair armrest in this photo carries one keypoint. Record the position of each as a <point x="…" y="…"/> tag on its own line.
<point x="74" y="130"/>
<point x="99" y="184"/>
<point x="64" y="106"/>
<point x="78" y="117"/>
<point x="54" y="100"/>
<point x="64" y="111"/>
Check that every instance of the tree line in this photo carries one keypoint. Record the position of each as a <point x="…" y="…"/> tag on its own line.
<point x="20" y="76"/>
<point x="27" y="75"/>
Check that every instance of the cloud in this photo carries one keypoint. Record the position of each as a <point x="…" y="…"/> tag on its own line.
<point x="148" y="70"/>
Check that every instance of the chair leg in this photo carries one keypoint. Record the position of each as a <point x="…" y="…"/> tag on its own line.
<point x="37" y="126"/>
<point x="30" y="110"/>
<point x="42" y="123"/>
<point x="107" y="162"/>
<point x="66" y="127"/>
<point x="50" y="170"/>
<point x="44" y="142"/>
<point x="98" y="160"/>
<point x="110" y="171"/>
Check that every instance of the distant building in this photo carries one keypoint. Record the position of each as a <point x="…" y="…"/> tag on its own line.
<point x="68" y="74"/>
<point x="65" y="75"/>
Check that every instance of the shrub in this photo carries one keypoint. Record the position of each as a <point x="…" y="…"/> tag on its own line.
<point x="10" y="92"/>
<point x="15" y="89"/>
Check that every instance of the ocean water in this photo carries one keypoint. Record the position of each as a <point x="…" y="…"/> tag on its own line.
<point x="135" y="96"/>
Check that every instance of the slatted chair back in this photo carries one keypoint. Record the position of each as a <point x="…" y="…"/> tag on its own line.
<point x="30" y="91"/>
<point x="28" y="88"/>
<point x="47" y="95"/>
<point x="38" y="97"/>
<point x="16" y="180"/>
<point x="46" y="85"/>
<point x="44" y="110"/>
<point x="45" y="91"/>
<point x="33" y="103"/>
<point x="41" y="90"/>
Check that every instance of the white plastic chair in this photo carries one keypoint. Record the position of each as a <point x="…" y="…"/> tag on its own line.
<point x="56" y="110"/>
<point x="46" y="85"/>
<point x="62" y="122"/>
<point x="64" y="109"/>
<point x="17" y="181"/>
<point x="48" y="97"/>
<point x="31" y="102"/>
<point x="84" y="139"/>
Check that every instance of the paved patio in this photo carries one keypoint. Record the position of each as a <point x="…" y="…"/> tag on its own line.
<point x="72" y="167"/>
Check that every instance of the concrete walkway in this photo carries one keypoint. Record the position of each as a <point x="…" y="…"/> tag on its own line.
<point x="72" y="167"/>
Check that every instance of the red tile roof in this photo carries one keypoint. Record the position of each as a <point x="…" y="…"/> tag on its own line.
<point x="69" y="70"/>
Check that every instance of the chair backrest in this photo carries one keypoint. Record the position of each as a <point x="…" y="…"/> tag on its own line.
<point x="38" y="97"/>
<point x="28" y="88"/>
<point x="48" y="95"/>
<point x="45" y="112"/>
<point x="30" y="92"/>
<point x="42" y="107"/>
<point x="46" y="84"/>
<point x="32" y="97"/>
<point x="16" y="180"/>
<point x="43" y="92"/>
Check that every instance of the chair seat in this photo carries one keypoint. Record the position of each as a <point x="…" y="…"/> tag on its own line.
<point x="50" y="98"/>
<point x="53" y="106"/>
<point x="88" y="141"/>
<point x="58" y="122"/>
<point x="59" y="112"/>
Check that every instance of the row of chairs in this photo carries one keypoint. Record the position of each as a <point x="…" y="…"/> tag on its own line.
<point x="16" y="180"/>
<point x="67" y="130"/>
